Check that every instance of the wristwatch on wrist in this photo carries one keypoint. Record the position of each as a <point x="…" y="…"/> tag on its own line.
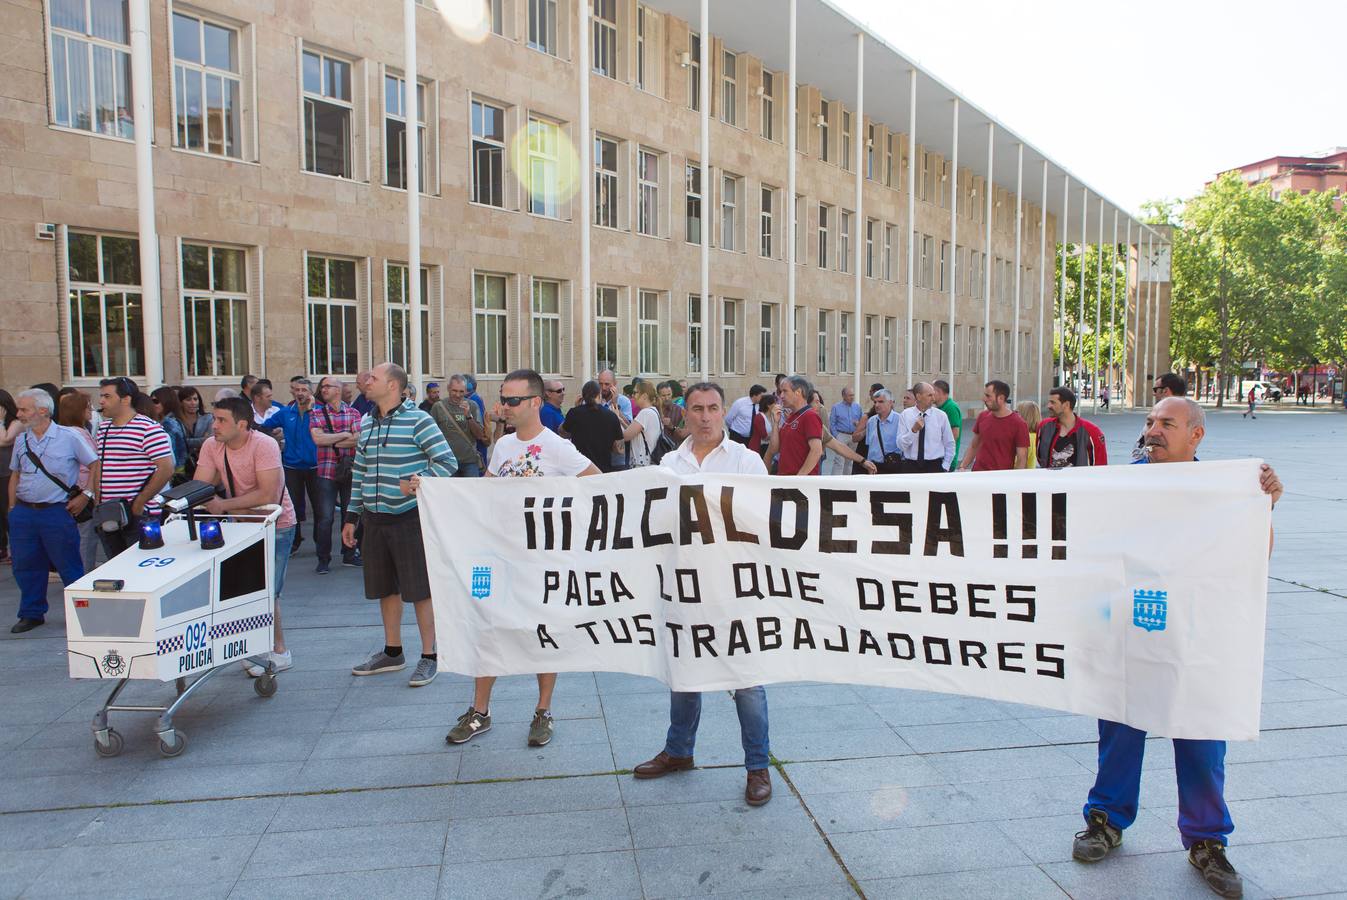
<point x="89" y="494"/>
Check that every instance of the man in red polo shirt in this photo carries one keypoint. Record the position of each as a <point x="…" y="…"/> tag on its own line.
<point x="1000" y="436"/>
<point x="802" y="431"/>
<point x="1065" y="439"/>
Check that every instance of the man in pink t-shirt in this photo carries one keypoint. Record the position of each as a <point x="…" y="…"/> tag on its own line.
<point x="247" y="465"/>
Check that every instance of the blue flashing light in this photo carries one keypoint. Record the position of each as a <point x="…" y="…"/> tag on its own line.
<point x="151" y="534"/>
<point x="212" y="536"/>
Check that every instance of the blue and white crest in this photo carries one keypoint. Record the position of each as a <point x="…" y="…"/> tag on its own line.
<point x="1150" y="609"/>
<point x="481" y="582"/>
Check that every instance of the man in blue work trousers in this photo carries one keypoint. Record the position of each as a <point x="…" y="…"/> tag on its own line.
<point x="1174" y="428"/>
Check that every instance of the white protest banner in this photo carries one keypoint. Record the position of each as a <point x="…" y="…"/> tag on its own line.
<point x="1130" y="593"/>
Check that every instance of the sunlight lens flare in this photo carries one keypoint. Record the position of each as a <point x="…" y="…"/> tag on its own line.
<point x="548" y="167"/>
<point x="470" y="20"/>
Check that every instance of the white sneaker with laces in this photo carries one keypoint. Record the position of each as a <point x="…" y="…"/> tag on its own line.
<point x="279" y="661"/>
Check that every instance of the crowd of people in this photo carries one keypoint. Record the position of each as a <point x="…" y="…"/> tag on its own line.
<point x="80" y="479"/>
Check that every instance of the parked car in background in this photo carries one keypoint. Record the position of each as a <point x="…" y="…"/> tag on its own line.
<point x="1266" y="390"/>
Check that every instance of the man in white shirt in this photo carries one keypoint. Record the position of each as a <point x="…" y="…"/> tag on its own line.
<point x="739" y="419"/>
<point x="532" y="450"/>
<point x="708" y="450"/>
<point x="924" y="434"/>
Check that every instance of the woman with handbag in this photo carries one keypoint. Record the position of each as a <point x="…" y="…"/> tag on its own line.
<point x="645" y="425"/>
<point x="75" y="411"/>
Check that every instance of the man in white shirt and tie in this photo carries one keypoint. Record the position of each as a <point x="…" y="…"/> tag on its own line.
<point x="739" y="418"/>
<point x="924" y="435"/>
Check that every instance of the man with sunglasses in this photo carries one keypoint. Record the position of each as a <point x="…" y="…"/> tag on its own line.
<point x="552" y="415"/>
<point x="530" y="451"/>
<point x="397" y="443"/>
<point x="1167" y="385"/>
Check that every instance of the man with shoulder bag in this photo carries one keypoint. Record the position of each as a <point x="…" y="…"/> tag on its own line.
<point x="45" y="502"/>
<point x="881" y="436"/>
<point x="135" y="463"/>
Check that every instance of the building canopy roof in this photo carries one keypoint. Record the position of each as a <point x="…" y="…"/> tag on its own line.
<point x="826" y="59"/>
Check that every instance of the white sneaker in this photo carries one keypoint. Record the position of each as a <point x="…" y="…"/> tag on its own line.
<point x="279" y="661"/>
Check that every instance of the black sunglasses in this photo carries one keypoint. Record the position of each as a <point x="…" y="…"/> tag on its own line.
<point x="512" y="402"/>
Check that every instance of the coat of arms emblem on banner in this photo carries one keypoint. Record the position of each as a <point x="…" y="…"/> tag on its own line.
<point x="1149" y="609"/>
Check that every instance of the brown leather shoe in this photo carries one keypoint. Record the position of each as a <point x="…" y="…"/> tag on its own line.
<point x="662" y="765"/>
<point x="759" y="788"/>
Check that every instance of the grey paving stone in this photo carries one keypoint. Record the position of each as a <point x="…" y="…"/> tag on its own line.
<point x="315" y="812"/>
<point x="179" y="821"/>
<point x="353" y="849"/>
<point x="823" y="745"/>
<point x="942" y="711"/>
<point x="543" y="834"/>
<point x="1020" y="882"/>
<point x="390" y="742"/>
<point x="419" y="883"/>
<point x="594" y="876"/>
<point x="1305" y="713"/>
<point x="164" y="781"/>
<point x="926" y="850"/>
<point x="808" y="719"/>
<point x="39" y="792"/>
<point x="969" y="736"/>
<point x="487" y="759"/>
<point x="1294" y="743"/>
<point x="1064" y="729"/>
<point x="764" y="864"/>
<point x="899" y="807"/>
<point x="720" y="821"/>
<point x="863" y="774"/>
<point x="1006" y="765"/>
<point x="1151" y="875"/>
<point x="441" y="767"/>
<point x="1292" y="689"/>
<point x="43" y="830"/>
<point x="207" y="867"/>
<point x="21" y="868"/>
<point x="541" y="795"/>
<point x="1271" y="819"/>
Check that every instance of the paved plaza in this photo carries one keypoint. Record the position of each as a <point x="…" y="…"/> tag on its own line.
<point x="344" y="787"/>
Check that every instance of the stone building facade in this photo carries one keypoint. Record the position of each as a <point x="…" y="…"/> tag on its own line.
<point x="281" y="211"/>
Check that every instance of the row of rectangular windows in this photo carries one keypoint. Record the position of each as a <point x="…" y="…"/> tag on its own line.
<point x="106" y="337"/>
<point x="212" y="105"/>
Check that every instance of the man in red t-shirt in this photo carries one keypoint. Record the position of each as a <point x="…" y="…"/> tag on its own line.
<point x="1065" y="439"/>
<point x="1000" y="436"/>
<point x="801" y="441"/>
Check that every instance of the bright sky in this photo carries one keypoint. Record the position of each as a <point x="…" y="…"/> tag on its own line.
<point x="1143" y="99"/>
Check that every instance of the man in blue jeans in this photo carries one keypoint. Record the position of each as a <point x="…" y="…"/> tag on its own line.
<point x="1174" y="428"/>
<point x="333" y="426"/>
<point x="708" y="449"/>
<point x="43" y="500"/>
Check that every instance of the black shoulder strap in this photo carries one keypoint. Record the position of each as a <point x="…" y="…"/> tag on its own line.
<point x="229" y="473"/>
<point x="37" y="461"/>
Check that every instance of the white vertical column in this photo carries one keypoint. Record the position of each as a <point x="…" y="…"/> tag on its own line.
<point x="1080" y="293"/>
<point x="1019" y="234"/>
<point x="987" y="259"/>
<point x="858" y="142"/>
<point x="1146" y="355"/>
<point x="1113" y="308"/>
<point x="1042" y="279"/>
<point x="704" y="83"/>
<point x="911" y="211"/>
<point x="953" y="238"/>
<point x="1098" y="298"/>
<point x="791" y="225"/>
<point x="142" y="95"/>
<point x="1155" y="311"/>
<point x="412" y="113"/>
<point x="586" y="368"/>
<point x="1061" y="300"/>
<point x="1127" y="282"/>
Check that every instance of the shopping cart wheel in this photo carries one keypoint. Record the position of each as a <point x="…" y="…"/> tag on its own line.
<point x="265" y="685"/>
<point x="113" y="747"/>
<point x="179" y="742"/>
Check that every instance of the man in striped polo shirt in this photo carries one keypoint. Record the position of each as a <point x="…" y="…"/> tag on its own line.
<point x="397" y="441"/>
<point x="135" y="460"/>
